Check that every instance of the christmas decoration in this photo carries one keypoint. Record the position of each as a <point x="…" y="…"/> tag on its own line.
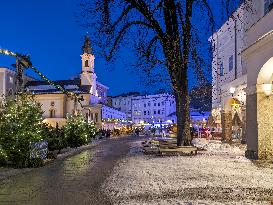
<point x="77" y="131"/>
<point x="24" y="62"/>
<point x="20" y="125"/>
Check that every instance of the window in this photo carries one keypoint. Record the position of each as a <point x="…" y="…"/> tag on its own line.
<point x="149" y="104"/>
<point x="230" y="63"/>
<point x="96" y="117"/>
<point x="86" y="63"/>
<point x="144" y="105"/>
<point x="11" y="79"/>
<point x="158" y="112"/>
<point x="154" y="112"/>
<point x="52" y="103"/>
<point x="268" y="6"/>
<point x="148" y="112"/>
<point x="221" y="69"/>
<point x="52" y="113"/>
<point x="158" y="104"/>
<point x="154" y="104"/>
<point x="162" y="103"/>
<point x="144" y="112"/>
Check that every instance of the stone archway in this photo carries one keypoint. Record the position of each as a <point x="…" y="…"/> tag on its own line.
<point x="265" y="111"/>
<point x="231" y="109"/>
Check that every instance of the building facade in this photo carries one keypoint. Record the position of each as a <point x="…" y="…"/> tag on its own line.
<point x="229" y="70"/>
<point x="124" y="103"/>
<point x="112" y="113"/>
<point x="146" y="109"/>
<point x="244" y="99"/>
<point x="7" y="81"/>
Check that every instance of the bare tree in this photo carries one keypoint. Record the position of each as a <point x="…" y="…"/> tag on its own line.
<point x="165" y="32"/>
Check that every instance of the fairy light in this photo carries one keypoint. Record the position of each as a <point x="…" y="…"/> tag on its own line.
<point x="25" y="60"/>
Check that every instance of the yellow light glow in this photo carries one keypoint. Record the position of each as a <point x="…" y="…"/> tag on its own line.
<point x="267" y="88"/>
<point x="232" y="90"/>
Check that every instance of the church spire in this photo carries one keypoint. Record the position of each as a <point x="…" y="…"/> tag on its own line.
<point x="86" y="48"/>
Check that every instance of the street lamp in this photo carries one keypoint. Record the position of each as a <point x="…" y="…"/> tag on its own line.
<point x="232" y="90"/>
<point x="267" y="88"/>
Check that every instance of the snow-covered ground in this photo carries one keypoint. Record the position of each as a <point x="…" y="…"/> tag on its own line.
<point x="220" y="175"/>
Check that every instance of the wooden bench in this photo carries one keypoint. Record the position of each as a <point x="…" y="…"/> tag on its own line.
<point x="183" y="150"/>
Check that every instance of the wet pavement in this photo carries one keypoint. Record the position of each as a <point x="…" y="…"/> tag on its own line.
<point x="72" y="181"/>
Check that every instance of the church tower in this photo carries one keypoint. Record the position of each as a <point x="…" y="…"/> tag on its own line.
<point x="88" y="76"/>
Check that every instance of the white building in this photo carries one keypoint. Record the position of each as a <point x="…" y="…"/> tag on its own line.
<point x="152" y="109"/>
<point x="7" y="81"/>
<point x="108" y="112"/>
<point x="229" y="68"/>
<point x="124" y="103"/>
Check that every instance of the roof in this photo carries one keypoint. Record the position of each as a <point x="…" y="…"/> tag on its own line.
<point x="43" y="87"/>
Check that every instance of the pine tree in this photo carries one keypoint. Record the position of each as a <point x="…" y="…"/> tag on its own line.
<point x="20" y="125"/>
<point x="76" y="133"/>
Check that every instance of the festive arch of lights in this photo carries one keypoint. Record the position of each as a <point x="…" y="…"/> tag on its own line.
<point x="25" y="62"/>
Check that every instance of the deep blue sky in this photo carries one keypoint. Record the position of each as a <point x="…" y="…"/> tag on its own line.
<point x="49" y="32"/>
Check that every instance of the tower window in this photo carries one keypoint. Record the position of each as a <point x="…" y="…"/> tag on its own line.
<point x="86" y="64"/>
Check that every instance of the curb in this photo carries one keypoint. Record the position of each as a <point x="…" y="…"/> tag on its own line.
<point x="10" y="172"/>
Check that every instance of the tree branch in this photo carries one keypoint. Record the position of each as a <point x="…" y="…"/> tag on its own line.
<point x="124" y="13"/>
<point x="122" y="32"/>
<point x="142" y="7"/>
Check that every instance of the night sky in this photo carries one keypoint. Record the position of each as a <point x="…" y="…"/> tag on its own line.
<point x="49" y="32"/>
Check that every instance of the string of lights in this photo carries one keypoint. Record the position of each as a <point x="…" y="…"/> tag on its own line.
<point x="26" y="63"/>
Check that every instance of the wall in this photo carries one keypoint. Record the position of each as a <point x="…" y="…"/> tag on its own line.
<point x="45" y="101"/>
<point x="112" y="113"/>
<point x="123" y="104"/>
<point x="258" y="53"/>
<point x="224" y="46"/>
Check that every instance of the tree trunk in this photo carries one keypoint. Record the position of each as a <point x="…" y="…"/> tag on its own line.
<point x="183" y="117"/>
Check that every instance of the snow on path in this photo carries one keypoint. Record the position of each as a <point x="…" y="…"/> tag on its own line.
<point x="221" y="175"/>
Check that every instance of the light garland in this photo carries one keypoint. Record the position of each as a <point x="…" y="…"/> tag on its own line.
<point x="25" y="61"/>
